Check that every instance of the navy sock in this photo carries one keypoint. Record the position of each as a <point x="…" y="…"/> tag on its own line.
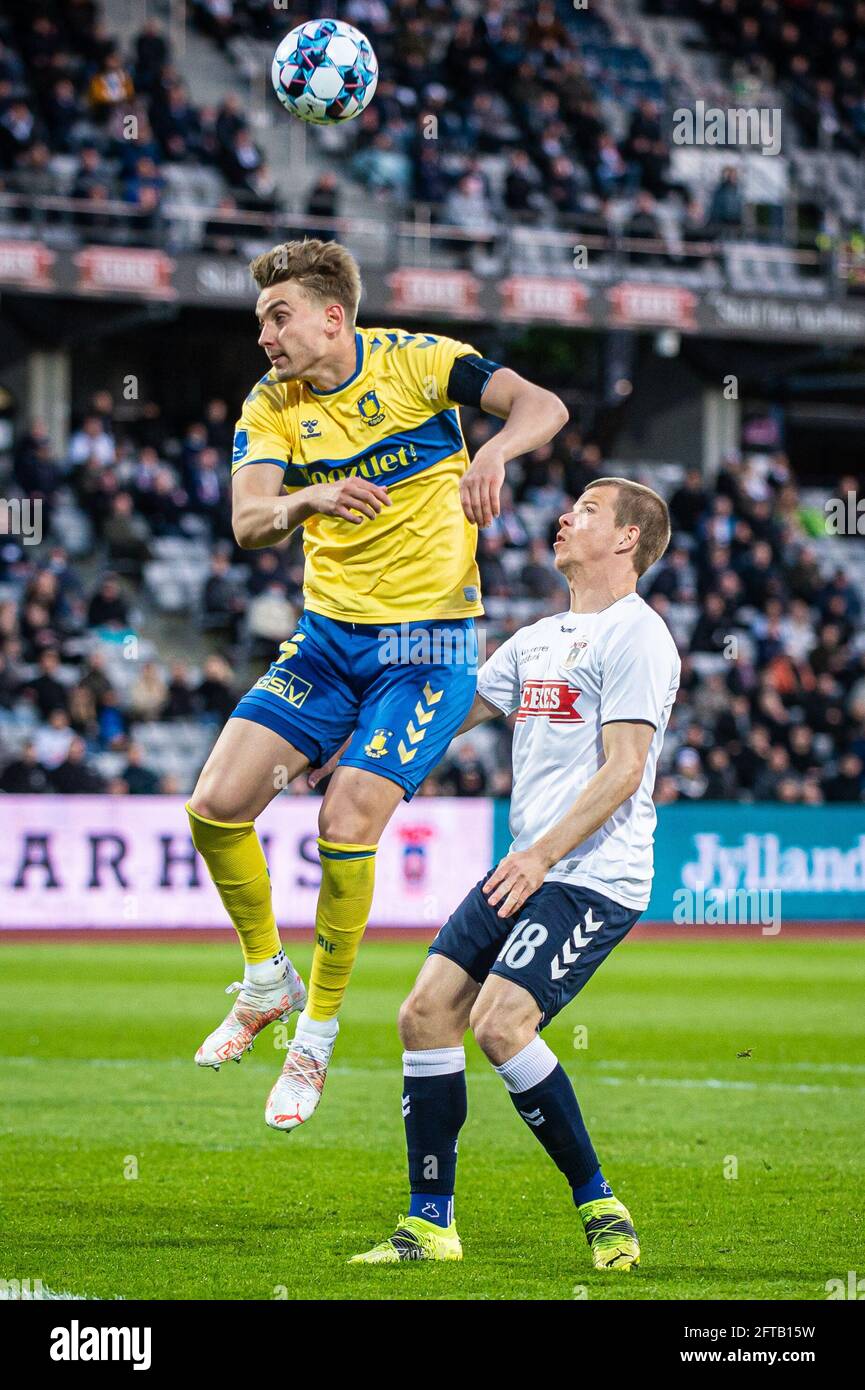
<point x="551" y="1111"/>
<point x="434" y="1108"/>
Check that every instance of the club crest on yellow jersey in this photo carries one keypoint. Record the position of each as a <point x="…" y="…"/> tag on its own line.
<point x="369" y="409"/>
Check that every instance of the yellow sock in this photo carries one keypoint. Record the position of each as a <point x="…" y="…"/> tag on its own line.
<point x="236" y="863"/>
<point x="344" y="901"/>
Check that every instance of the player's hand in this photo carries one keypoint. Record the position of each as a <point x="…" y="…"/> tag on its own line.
<point x="481" y="484"/>
<point x="513" y="880"/>
<point x="317" y="774"/>
<point x="351" y="498"/>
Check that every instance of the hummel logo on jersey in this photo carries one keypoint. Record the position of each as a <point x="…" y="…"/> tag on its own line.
<point x="310" y="429"/>
<point x="532" y="1117"/>
<point x="406" y="1106"/>
<point x="556" y="700"/>
<point x="569" y="955"/>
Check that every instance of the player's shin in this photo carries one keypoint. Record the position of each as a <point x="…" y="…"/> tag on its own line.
<point x="344" y="902"/>
<point x="236" y="863"/>
<point x="434" y="1108"/>
<point x="543" y="1095"/>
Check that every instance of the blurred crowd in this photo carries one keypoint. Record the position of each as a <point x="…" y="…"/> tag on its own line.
<point x="580" y="121"/>
<point x="69" y="91"/>
<point x="815" y="49"/>
<point x="772" y="702"/>
<point x="580" y="124"/>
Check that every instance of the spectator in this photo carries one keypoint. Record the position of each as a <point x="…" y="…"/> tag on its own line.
<point x="127" y="536"/>
<point x="151" y="55"/>
<point x="52" y="740"/>
<point x="725" y="206"/>
<point x="24" y="776"/>
<point x="689" y="503"/>
<point x="181" y="701"/>
<point x="94" y="678"/>
<point x="111" y="721"/>
<point x="49" y="692"/>
<point x="140" y="779"/>
<point x="522" y="190"/>
<point x="465" y="774"/>
<point x="149" y="693"/>
<point x="110" y="87"/>
<point x="222" y="605"/>
<point x="323" y="200"/>
<point x="108" y="607"/>
<point x="847" y="782"/>
<point x="214" y="695"/>
<point x="91" y="443"/>
<point x="73" y="777"/>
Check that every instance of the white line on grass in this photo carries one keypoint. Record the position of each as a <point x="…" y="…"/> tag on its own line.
<point x="709" y="1083"/>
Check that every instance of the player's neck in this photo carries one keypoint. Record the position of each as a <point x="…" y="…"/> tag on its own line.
<point x="592" y="594"/>
<point x="336" y="368"/>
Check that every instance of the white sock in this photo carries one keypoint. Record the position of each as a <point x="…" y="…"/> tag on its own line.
<point x="317" y="1030"/>
<point x="529" y="1067"/>
<point x="434" y="1061"/>
<point x="265" y="974"/>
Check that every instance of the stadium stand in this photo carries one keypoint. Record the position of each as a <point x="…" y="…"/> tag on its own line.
<point x="126" y="637"/>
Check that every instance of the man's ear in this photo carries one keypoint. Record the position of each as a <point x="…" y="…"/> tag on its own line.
<point x="629" y="541"/>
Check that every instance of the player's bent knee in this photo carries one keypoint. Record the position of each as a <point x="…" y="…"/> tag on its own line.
<point x="208" y="804"/>
<point x="496" y="1031"/>
<point x="423" y="1022"/>
<point x="344" y="825"/>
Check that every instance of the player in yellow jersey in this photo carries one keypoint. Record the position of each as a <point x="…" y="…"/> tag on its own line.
<point x="353" y="434"/>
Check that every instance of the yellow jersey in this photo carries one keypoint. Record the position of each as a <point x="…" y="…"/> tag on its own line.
<point x="393" y="423"/>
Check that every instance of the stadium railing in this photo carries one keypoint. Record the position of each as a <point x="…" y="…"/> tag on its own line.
<point x="393" y="244"/>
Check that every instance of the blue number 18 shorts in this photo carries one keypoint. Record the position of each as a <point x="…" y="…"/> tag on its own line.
<point x="551" y="947"/>
<point x="401" y="691"/>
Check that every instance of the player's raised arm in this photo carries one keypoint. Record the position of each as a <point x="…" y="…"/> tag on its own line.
<point x="263" y="514"/>
<point x="532" y="417"/>
<point x="520" y="873"/>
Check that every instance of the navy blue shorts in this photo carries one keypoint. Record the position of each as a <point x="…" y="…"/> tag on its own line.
<point x="561" y="936"/>
<point x="401" y="692"/>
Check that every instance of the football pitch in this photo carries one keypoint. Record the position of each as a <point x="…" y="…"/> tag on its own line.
<point x="129" y="1172"/>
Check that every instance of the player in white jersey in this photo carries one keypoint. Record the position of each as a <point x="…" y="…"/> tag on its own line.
<point x="592" y="689"/>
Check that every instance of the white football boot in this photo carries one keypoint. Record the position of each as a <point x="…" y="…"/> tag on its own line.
<point x="255" y="1008"/>
<point x="299" y="1086"/>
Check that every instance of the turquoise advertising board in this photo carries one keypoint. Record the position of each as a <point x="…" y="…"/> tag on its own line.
<point x="801" y="864"/>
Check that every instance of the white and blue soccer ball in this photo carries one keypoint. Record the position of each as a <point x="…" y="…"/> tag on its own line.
<point x="324" y="70"/>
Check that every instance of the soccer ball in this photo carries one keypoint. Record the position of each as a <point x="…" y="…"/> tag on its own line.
<point x="324" y="71"/>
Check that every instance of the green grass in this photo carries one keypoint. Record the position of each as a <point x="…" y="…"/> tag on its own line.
<point x="97" y="1071"/>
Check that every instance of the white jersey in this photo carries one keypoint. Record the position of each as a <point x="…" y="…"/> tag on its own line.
<point x="568" y="676"/>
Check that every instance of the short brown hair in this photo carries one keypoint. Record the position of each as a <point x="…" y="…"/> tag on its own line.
<point x="637" y="505"/>
<point x="323" y="268"/>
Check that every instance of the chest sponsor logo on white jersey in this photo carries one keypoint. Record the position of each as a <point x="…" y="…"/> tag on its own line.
<point x="555" y="700"/>
<point x="580" y="645"/>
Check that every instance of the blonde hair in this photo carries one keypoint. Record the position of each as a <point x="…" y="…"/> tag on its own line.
<point x="323" y="268"/>
<point x="637" y="505"/>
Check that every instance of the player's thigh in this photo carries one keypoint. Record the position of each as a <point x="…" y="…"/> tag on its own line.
<point x="411" y="708"/>
<point x="556" y="942"/>
<point x="436" y="1012"/>
<point x="472" y="936"/>
<point x="247" y="766"/>
<point x="307" y="694"/>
